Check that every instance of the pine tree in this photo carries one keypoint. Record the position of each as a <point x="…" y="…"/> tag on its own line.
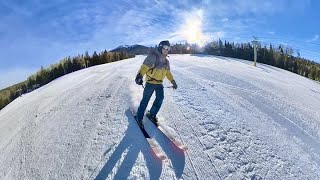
<point x="295" y="66"/>
<point x="67" y="65"/>
<point x="313" y="73"/>
<point x="116" y="56"/>
<point x="306" y="71"/>
<point x="105" y="57"/>
<point x="31" y="81"/>
<point x="318" y="74"/>
<point x="123" y="55"/>
<point x="76" y="63"/>
<point x="60" y="71"/>
<point x="95" y="59"/>
<point x="220" y="44"/>
<point x="1" y="103"/>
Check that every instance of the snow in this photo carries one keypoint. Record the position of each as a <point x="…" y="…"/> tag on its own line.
<point x="238" y="121"/>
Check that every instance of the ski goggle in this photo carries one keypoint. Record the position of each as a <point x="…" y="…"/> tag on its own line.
<point x="167" y="48"/>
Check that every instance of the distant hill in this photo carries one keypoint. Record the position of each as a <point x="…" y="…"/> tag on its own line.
<point x="134" y="49"/>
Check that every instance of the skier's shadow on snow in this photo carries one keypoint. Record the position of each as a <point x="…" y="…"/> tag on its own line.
<point x="176" y="155"/>
<point x="127" y="153"/>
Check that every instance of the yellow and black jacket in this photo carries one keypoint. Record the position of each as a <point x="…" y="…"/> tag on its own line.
<point x="156" y="67"/>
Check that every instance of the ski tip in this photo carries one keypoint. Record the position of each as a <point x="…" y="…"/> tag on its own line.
<point x="184" y="148"/>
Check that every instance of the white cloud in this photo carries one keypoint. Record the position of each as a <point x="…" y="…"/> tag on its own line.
<point x="16" y="8"/>
<point x="316" y="37"/>
<point x="146" y="25"/>
<point x="245" y="7"/>
<point x="218" y="35"/>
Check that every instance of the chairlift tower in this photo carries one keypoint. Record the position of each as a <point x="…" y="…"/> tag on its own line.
<point x="255" y="45"/>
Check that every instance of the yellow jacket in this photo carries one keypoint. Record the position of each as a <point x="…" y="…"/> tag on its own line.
<point x="156" y="70"/>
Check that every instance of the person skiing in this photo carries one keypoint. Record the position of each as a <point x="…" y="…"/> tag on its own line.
<point x="156" y="67"/>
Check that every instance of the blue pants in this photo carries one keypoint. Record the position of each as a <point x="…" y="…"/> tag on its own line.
<point x="147" y="93"/>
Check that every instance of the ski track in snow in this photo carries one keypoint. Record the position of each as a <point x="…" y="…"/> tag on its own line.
<point x="292" y="123"/>
<point x="239" y="122"/>
<point x="201" y="86"/>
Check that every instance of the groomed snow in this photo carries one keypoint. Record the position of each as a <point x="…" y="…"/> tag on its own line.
<point x="238" y="121"/>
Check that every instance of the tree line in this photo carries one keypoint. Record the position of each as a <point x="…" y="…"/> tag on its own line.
<point x="65" y="66"/>
<point x="279" y="56"/>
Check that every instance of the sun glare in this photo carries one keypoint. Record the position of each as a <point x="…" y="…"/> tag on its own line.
<point x="192" y="29"/>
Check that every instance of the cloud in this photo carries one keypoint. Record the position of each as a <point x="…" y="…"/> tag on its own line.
<point x="315" y="38"/>
<point x="15" y="8"/>
<point x="147" y="24"/>
<point x="244" y="7"/>
<point x="218" y="35"/>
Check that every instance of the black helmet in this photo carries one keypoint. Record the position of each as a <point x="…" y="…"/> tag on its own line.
<point x="163" y="43"/>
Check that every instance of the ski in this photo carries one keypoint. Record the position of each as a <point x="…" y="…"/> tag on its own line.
<point x="169" y="136"/>
<point x="155" y="148"/>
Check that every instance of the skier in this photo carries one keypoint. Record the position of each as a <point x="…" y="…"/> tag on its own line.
<point x="156" y="67"/>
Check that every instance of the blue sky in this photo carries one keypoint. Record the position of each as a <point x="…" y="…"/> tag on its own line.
<point x="37" y="33"/>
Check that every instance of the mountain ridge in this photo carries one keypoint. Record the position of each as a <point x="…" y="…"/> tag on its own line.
<point x="132" y="49"/>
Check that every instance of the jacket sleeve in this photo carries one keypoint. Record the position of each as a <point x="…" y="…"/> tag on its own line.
<point x="147" y="64"/>
<point x="169" y="76"/>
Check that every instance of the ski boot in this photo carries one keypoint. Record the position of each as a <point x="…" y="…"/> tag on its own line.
<point x="152" y="118"/>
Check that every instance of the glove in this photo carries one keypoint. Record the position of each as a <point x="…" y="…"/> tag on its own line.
<point x="174" y="84"/>
<point x="139" y="80"/>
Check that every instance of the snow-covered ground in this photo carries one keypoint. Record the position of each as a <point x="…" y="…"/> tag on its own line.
<point x="238" y="121"/>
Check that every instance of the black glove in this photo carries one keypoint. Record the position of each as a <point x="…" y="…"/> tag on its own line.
<point x="139" y="80"/>
<point x="174" y="84"/>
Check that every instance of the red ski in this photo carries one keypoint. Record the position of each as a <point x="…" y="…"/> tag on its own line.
<point x="168" y="135"/>
<point x="155" y="148"/>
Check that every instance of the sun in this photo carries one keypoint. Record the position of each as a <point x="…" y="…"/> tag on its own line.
<point x="193" y="31"/>
<point x="192" y="28"/>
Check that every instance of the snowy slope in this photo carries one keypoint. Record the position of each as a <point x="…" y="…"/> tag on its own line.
<point x="238" y="121"/>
